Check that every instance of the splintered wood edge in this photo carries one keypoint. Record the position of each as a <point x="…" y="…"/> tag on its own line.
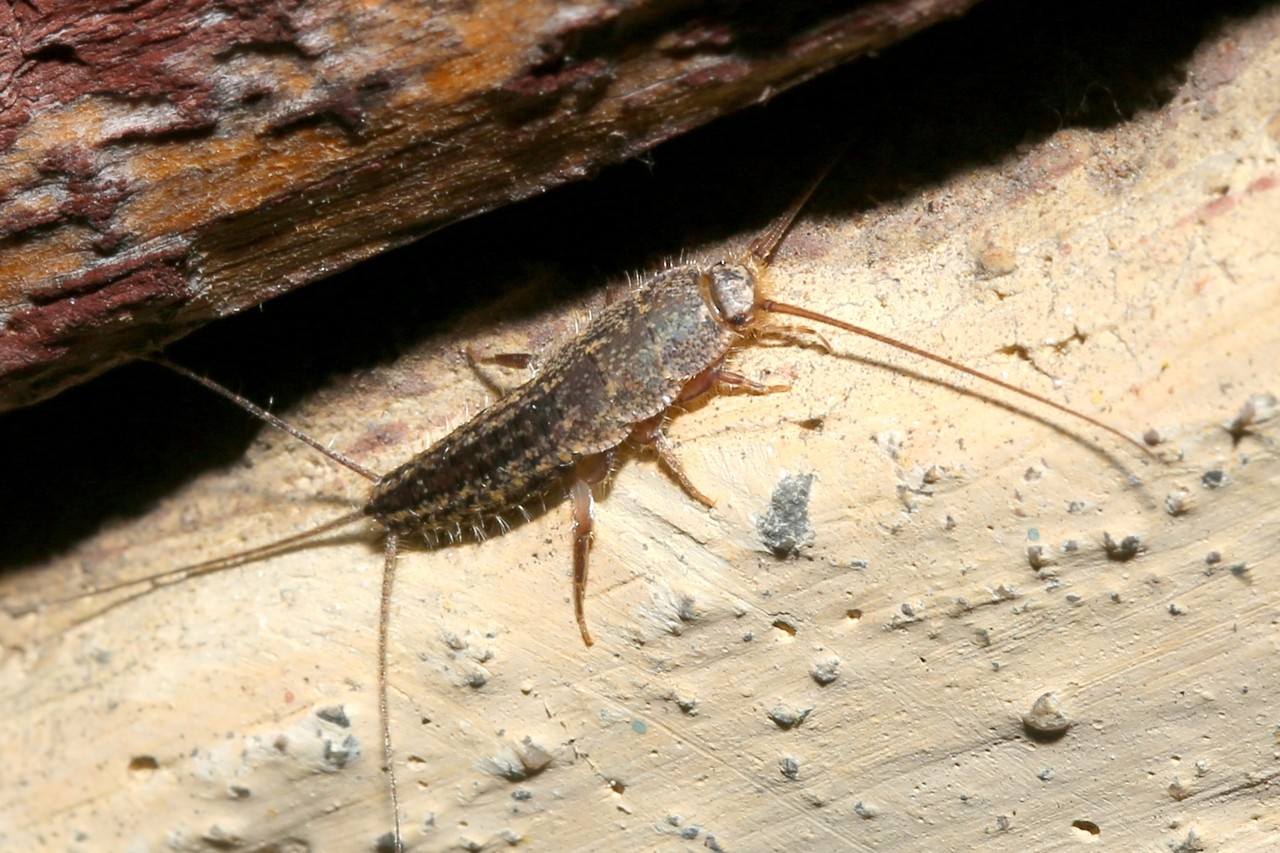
<point x="274" y="150"/>
<point x="876" y="689"/>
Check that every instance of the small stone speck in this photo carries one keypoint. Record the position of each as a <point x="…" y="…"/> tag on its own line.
<point x="784" y="528"/>
<point x="339" y="756"/>
<point x="1177" y="502"/>
<point x="997" y="261"/>
<point x="1037" y="558"/>
<point x="1215" y="479"/>
<point x="1126" y="549"/>
<point x="825" y="671"/>
<point x="1189" y="844"/>
<point x="788" y="716"/>
<point x="1046" y="718"/>
<point x="335" y="714"/>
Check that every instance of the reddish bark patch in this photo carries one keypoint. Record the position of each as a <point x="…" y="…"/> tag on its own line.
<point x="88" y="305"/>
<point x="152" y="53"/>
<point x="71" y="174"/>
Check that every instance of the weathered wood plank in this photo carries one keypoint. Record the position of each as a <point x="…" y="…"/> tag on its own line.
<point x="164" y="164"/>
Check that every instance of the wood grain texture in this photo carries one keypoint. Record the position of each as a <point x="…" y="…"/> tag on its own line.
<point x="1126" y="266"/>
<point x="164" y="164"/>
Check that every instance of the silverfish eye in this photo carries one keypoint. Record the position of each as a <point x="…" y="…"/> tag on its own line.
<point x="733" y="293"/>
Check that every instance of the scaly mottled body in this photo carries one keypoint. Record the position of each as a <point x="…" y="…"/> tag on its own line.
<point x="630" y="366"/>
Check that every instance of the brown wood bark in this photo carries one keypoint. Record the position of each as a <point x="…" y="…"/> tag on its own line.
<point x="164" y="164"/>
